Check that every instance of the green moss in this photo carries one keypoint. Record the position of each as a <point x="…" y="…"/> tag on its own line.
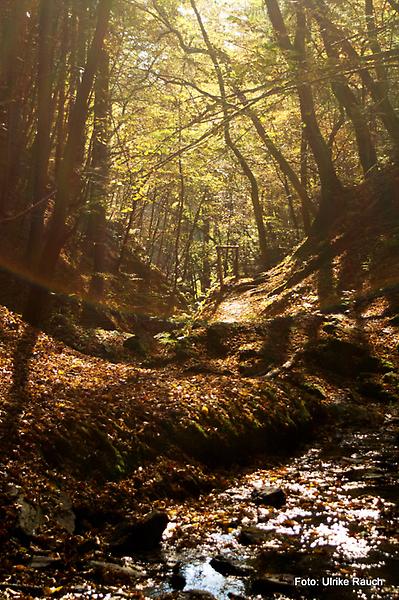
<point x="391" y="377"/>
<point x="313" y="389"/>
<point x="387" y="365"/>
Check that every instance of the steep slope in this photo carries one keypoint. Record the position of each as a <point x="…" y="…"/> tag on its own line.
<point x="331" y="292"/>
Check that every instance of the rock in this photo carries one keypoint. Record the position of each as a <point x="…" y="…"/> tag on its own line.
<point x="255" y="368"/>
<point x="83" y="449"/>
<point x="134" y="344"/>
<point x="111" y="573"/>
<point x="283" y="584"/>
<point x="177" y="579"/>
<point x="330" y="327"/>
<point x="313" y="389"/>
<point x="97" y="316"/>
<point x="251" y="536"/>
<point x="344" y="358"/>
<point x="376" y="391"/>
<point x="229" y="566"/>
<point x="29" y="517"/>
<point x="364" y="474"/>
<point x="145" y="534"/>
<point x="64" y="515"/>
<point x="248" y="353"/>
<point x="216" y="334"/>
<point x="298" y="562"/>
<point x="42" y="562"/>
<point x="269" y="496"/>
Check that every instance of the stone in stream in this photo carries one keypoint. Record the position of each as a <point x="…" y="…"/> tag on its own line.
<point x="42" y="562"/>
<point x="252" y="536"/>
<point x="111" y="573"/>
<point x="229" y="566"/>
<point x="142" y="535"/>
<point x="269" y="496"/>
<point x="283" y="584"/>
<point x="177" y="579"/>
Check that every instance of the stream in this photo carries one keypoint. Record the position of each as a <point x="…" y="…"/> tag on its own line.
<point x="335" y="535"/>
<point x="339" y="524"/>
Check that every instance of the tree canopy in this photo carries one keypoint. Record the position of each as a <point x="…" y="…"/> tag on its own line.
<point x="174" y="127"/>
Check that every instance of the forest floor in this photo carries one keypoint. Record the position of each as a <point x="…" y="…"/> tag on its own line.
<point x="87" y="441"/>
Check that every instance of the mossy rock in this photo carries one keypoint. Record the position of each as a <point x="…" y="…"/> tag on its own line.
<point x="376" y="391"/>
<point x="255" y="368"/>
<point x="85" y="451"/>
<point x="344" y="358"/>
<point x="134" y="344"/>
<point x="313" y="389"/>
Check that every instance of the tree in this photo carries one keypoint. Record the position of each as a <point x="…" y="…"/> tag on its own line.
<point x="331" y="188"/>
<point x="58" y="230"/>
<point x="258" y="212"/>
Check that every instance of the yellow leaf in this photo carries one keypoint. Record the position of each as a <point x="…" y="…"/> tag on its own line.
<point x="48" y="591"/>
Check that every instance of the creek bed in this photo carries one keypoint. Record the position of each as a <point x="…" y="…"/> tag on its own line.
<point x="339" y="524"/>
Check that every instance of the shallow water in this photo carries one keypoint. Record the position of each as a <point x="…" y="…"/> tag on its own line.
<point x="339" y="523"/>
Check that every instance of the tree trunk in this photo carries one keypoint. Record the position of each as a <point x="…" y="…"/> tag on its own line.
<point x="100" y="169"/>
<point x="182" y="197"/>
<point x="14" y="16"/>
<point x="306" y="213"/>
<point x="68" y="173"/>
<point x="206" y="265"/>
<point x="255" y="196"/>
<point x="382" y="102"/>
<point x="331" y="187"/>
<point x="43" y="137"/>
<point x="280" y="159"/>
<point x="380" y="69"/>
<point x="348" y="100"/>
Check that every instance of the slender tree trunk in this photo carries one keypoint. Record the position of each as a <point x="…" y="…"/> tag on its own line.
<point x="190" y="237"/>
<point x="255" y="196"/>
<point x="331" y="187"/>
<point x="354" y="110"/>
<point x="43" y="139"/>
<point x="100" y="169"/>
<point x="280" y="159"/>
<point x="159" y="261"/>
<point x="11" y="64"/>
<point x="206" y="265"/>
<point x="305" y="211"/>
<point x="68" y="172"/>
<point x="182" y="197"/>
<point x="125" y="238"/>
<point x="291" y="205"/>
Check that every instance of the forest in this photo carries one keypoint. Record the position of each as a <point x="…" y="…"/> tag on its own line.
<point x="199" y="299"/>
